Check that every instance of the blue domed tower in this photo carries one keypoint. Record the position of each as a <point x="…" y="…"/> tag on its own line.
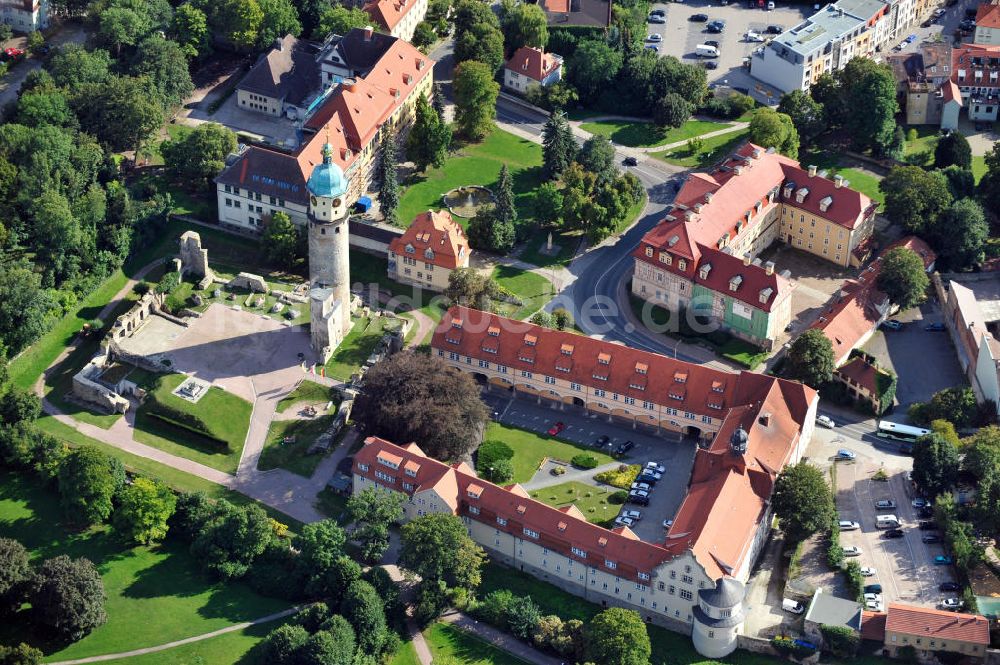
<point x="329" y="263"/>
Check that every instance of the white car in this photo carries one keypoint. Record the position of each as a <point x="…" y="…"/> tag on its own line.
<point x="874" y="606"/>
<point x="851" y="550"/>
<point x="885" y="504"/>
<point x="654" y="38"/>
<point x="752" y="36"/>
<point x="825" y="421"/>
<point x="641" y="486"/>
<point x="939" y="12"/>
<point x="849" y="525"/>
<point x="867" y="571"/>
<point x="653" y="466"/>
<point x="632" y="515"/>
<point x="873" y="596"/>
<point x="624" y="521"/>
<point x="951" y="604"/>
<point x="667" y="524"/>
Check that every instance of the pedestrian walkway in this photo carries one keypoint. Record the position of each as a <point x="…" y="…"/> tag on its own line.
<point x="579" y="131"/>
<point x="543" y="478"/>
<point x="499" y="639"/>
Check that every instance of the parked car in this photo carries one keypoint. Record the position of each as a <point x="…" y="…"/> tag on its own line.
<point x="667" y="524"/>
<point x="825" y="421"/>
<point x="639" y="499"/>
<point x="885" y="504"/>
<point x="658" y="468"/>
<point x="752" y="36"/>
<point x="792" y="606"/>
<point x="877" y="597"/>
<point x="892" y="324"/>
<point x="848" y="525"/>
<point x="647" y="478"/>
<point x="624" y="448"/>
<point x="602" y="440"/>
<point x="874" y="606"/>
<point x="949" y="586"/>
<point x="930" y="538"/>
<point x="651" y="472"/>
<point x="851" y="550"/>
<point x="867" y="571"/>
<point x="655" y="18"/>
<point x="925" y="512"/>
<point x="927" y="525"/>
<point x="770" y="5"/>
<point x="653" y="47"/>
<point x="658" y="12"/>
<point x="846" y="455"/>
<point x="873" y="588"/>
<point x="631" y="161"/>
<point x="934" y="327"/>
<point x="716" y="26"/>
<point x="698" y="18"/>
<point x="558" y="427"/>
<point x="654" y="38"/>
<point x="953" y="604"/>
<point x="919" y="502"/>
<point x="943" y="560"/>
<point x="711" y="42"/>
<point x="624" y="521"/>
<point x="632" y="514"/>
<point x="13" y="53"/>
<point x="645" y="487"/>
<point x="939" y="12"/>
<point x="774" y="30"/>
<point x="893" y="533"/>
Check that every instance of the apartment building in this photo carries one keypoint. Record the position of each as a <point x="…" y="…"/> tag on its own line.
<point x="25" y="15"/>
<point x="261" y="180"/>
<point x="933" y="632"/>
<point x="399" y="18"/>
<point x="428" y="251"/>
<point x="530" y="67"/>
<point x="975" y="70"/>
<point x="987" y="23"/>
<point x="919" y="79"/>
<point x="703" y="255"/>
<point x="283" y="81"/>
<point x="973" y="329"/>
<point x="764" y="424"/>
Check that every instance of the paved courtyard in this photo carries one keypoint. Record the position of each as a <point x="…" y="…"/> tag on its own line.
<point x="277" y="131"/>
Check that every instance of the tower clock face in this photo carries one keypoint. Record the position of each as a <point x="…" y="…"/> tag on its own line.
<point x="312" y="200"/>
<point x="336" y="203"/>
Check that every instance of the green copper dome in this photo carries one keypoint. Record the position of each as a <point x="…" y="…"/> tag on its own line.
<point x="327" y="179"/>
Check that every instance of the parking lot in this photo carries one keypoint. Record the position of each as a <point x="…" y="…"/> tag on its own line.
<point x="671" y="451"/>
<point x="680" y="35"/>
<point x="904" y="566"/>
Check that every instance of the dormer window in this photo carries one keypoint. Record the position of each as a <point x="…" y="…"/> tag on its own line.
<point x="680" y="377"/>
<point x="641" y="368"/>
<point x="765" y="294"/>
<point x="665" y="258"/>
<point x="673" y="241"/>
<point x="566" y="349"/>
<point x="824" y="204"/>
<point x="456" y="322"/>
<point x="682" y="265"/>
<point x="429" y="254"/>
<point x="530" y="340"/>
<point x="649" y="251"/>
<point x="410" y="249"/>
<point x="561" y="526"/>
<point x="475" y="491"/>
<point x="604" y="358"/>
<point x="734" y="283"/>
<point x="704" y="270"/>
<point x="712" y="404"/>
<point x="602" y="541"/>
<point x="800" y="196"/>
<point x="608" y="563"/>
<point x="718" y="386"/>
<point x="789" y="188"/>
<point x="493" y="331"/>
<point x="521" y="509"/>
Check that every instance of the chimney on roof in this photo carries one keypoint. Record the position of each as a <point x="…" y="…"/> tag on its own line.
<point x="708" y="196"/>
<point x="769" y="268"/>
<point x="812" y="171"/>
<point x="746" y="258"/>
<point x="757" y="152"/>
<point x="838" y="181"/>
<point x="765" y="419"/>
<point x="737" y="170"/>
<point x="369" y="31"/>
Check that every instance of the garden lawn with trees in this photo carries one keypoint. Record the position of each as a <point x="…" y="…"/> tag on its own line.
<point x="155" y="594"/>
<point x="211" y="431"/>
<point x="648" y="135"/>
<point x="453" y="645"/>
<point x="591" y="500"/>
<point x="701" y="153"/>
<point x="307" y="392"/>
<point x="476" y="164"/>
<point x="533" y="290"/>
<point x="355" y="348"/>
<point x="531" y="448"/>
<point x="292" y="456"/>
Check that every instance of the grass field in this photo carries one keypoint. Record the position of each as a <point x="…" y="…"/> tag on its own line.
<point x="292" y="456"/>
<point x="592" y="501"/>
<point x="307" y="392"/>
<point x="530" y="448"/>
<point x="567" y="242"/>
<point x="405" y="655"/>
<point x="226" y="415"/>
<point x="713" y="149"/>
<point x="229" y="649"/>
<point x="647" y="135"/>
<point x="533" y="290"/>
<point x="155" y="594"/>
<point x="453" y="645"/>
<point x="921" y="150"/>
<point x="355" y="348"/>
<point x="477" y="164"/>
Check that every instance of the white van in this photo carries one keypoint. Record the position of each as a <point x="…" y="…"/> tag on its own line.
<point x="886" y="522"/>
<point x="706" y="51"/>
<point x="790" y="605"/>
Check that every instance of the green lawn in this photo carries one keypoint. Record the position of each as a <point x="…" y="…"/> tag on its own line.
<point x="533" y="290"/>
<point x="566" y="242"/>
<point x="647" y="135"/>
<point x="477" y="164"/>
<point x="292" y="456"/>
<point x="155" y="594"/>
<point x="978" y="167"/>
<point x="229" y="649"/>
<point x="307" y="392"/>
<point x="226" y="415"/>
<point x="592" y="501"/>
<point x="713" y="150"/>
<point x="405" y="655"/>
<point x="921" y="150"/>
<point x="530" y="448"/>
<point x="355" y="348"/>
<point x="863" y="181"/>
<point x="453" y="645"/>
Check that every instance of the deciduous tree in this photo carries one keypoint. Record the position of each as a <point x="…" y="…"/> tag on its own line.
<point x="953" y="149"/>
<point x="199" y="155"/>
<point x="902" y="277"/>
<point x="617" y="636"/>
<point x="279" y="18"/>
<point x="320" y="545"/>
<point x="935" y="464"/>
<point x="16" y="575"/>
<point x="671" y="111"/>
<point x="362" y="608"/>
<point x="477" y="35"/>
<point x="121" y="113"/>
<point x="869" y="92"/>
<point x="144" y="509"/>
<point x="802" y="501"/>
<point x="374" y="512"/>
<point x="73" y="65"/>
<point x="771" y="129"/>
<point x="189" y="29"/>
<point x="87" y="485"/>
<point x="229" y="542"/>
<point x="488" y="232"/>
<point x="806" y="114"/>
<point x="523" y="25"/>
<point x="334" y="645"/>
<point x="282" y="644"/>
<point x="410" y="397"/>
<point x="592" y="67"/>
<point x="281" y="240"/>
<point x="437" y="547"/>
<point x="341" y="20"/>
<point x="475" y="94"/>
<point x="548" y="204"/>
<point x="960" y="234"/>
<point x="68" y="597"/>
<point x="597" y="156"/>
<point x="915" y="198"/>
<point x="810" y="359"/>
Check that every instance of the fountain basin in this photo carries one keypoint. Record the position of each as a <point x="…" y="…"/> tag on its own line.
<point x="466" y="201"/>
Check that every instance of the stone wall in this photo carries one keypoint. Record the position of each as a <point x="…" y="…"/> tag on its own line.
<point x="194" y="258"/>
<point x="86" y="388"/>
<point x="126" y="324"/>
<point x="250" y="282"/>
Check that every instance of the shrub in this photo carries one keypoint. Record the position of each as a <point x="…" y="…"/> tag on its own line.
<point x="911" y="134"/>
<point x="491" y="451"/>
<point x="622" y="477"/>
<point x="141" y="288"/>
<point x="841" y="641"/>
<point x="619" y="497"/>
<point x="583" y="461"/>
<point x="522" y="617"/>
<point x="855" y="583"/>
<point x="834" y="554"/>
<point x="881" y="476"/>
<point x="787" y="646"/>
<point x="494" y="607"/>
<point x="558" y="470"/>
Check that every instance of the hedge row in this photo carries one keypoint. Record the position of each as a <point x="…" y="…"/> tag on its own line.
<point x="166" y="416"/>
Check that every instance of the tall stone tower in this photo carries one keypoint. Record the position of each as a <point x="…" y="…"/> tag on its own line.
<point x="329" y="263"/>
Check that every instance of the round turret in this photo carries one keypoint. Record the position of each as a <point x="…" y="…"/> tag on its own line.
<point x="327" y="179"/>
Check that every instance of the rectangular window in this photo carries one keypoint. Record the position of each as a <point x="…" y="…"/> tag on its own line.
<point x="686" y="595"/>
<point x="531" y="534"/>
<point x="501" y="521"/>
<point x="474" y="510"/>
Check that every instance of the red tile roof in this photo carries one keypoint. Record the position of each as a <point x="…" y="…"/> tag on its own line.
<point x="862" y="373"/>
<point x="873" y="626"/>
<point x="438" y="234"/>
<point x="533" y="63"/>
<point x="727" y="494"/>
<point x="937" y="624"/>
<point x="988" y="15"/>
<point x="388" y="13"/>
<point x="971" y="59"/>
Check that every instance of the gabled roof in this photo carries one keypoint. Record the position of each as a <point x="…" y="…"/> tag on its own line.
<point x="973" y="59"/>
<point x="533" y="63"/>
<point x="388" y="13"/>
<point x="359" y="50"/>
<point x="288" y="71"/>
<point x="833" y="611"/>
<point x="862" y="373"/>
<point x="988" y="15"/>
<point x="435" y="238"/>
<point x="756" y="287"/>
<point x="937" y="624"/>
<point x="873" y="626"/>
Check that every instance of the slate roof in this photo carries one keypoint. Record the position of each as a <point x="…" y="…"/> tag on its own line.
<point x="833" y="611"/>
<point x="288" y="71"/>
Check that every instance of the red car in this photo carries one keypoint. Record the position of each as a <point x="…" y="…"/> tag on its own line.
<point x="558" y="427"/>
<point x="12" y="53"/>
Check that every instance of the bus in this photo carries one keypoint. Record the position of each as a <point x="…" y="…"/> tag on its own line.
<point x="906" y="434"/>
